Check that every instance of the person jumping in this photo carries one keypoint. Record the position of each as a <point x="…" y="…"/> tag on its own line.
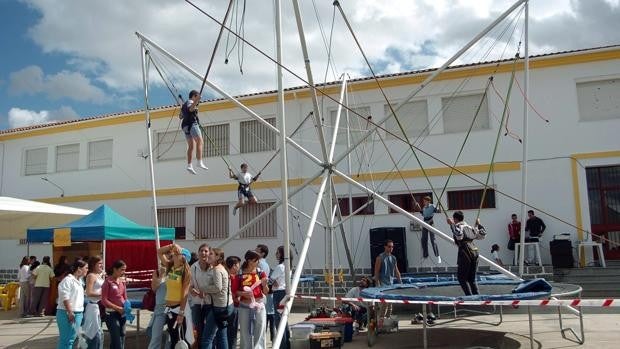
<point x="191" y="128"/>
<point x="245" y="179"/>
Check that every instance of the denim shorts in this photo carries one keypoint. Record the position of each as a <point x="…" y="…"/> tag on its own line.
<point x="192" y="131"/>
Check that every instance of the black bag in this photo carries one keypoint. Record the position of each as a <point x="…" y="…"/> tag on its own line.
<point x="511" y="244"/>
<point x="222" y="316"/>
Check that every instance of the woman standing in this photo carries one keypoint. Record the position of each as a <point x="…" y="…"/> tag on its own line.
<point x="279" y="291"/>
<point x="200" y="278"/>
<point x="218" y="290"/>
<point x="251" y="289"/>
<point x="70" y="304"/>
<point x="177" y="289"/>
<point x="24" y="286"/>
<point x="43" y="275"/>
<point x="92" y="318"/>
<point x="113" y="297"/>
<point x="155" y="329"/>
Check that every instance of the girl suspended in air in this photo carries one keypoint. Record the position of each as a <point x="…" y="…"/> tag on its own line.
<point x="243" y="190"/>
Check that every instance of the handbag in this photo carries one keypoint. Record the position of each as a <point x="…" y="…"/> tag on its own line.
<point x="181" y="344"/>
<point x="222" y="316"/>
<point x="148" y="300"/>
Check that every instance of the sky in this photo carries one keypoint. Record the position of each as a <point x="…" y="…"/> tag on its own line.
<point x="70" y="59"/>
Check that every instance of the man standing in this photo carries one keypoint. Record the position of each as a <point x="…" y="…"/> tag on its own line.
<point x="535" y="227"/>
<point x="467" y="258"/>
<point x="428" y="211"/>
<point x="514" y="232"/>
<point x="385" y="270"/>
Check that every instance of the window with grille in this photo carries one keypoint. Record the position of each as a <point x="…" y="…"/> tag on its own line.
<point x="470" y="199"/>
<point x="407" y="201"/>
<point x="459" y="111"/>
<point x="217" y="140"/>
<point x="100" y="154"/>
<point x="67" y="157"/>
<point x="412" y="116"/>
<point x="598" y="100"/>
<point x="257" y="137"/>
<point x="173" y="217"/>
<point x="358" y="126"/>
<point x="36" y="161"/>
<point x="267" y="227"/>
<point x="212" y="222"/>
<point x="358" y="202"/>
<point x="170" y="145"/>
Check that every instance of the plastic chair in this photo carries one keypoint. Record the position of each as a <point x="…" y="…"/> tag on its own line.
<point x="8" y="296"/>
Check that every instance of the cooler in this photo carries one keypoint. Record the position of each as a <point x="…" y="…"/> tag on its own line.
<point x="300" y="335"/>
<point x="325" y="340"/>
<point x="343" y="325"/>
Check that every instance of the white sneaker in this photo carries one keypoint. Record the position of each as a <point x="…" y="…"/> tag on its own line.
<point x="438" y="259"/>
<point x="190" y="169"/>
<point x="235" y="211"/>
<point x="202" y="165"/>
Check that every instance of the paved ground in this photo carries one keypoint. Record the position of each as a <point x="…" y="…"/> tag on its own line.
<point x="601" y="326"/>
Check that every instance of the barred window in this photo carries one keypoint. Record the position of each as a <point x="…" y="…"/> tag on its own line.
<point x="212" y="222"/>
<point x="67" y="157"/>
<point x="36" y="161"/>
<point x="470" y="199"/>
<point x="100" y="154"/>
<point x="217" y="140"/>
<point x="459" y="111"/>
<point x="357" y="127"/>
<point x="412" y="116"/>
<point x="173" y="217"/>
<point x="358" y="202"/>
<point x="170" y="145"/>
<point x="264" y="228"/>
<point x="257" y="137"/>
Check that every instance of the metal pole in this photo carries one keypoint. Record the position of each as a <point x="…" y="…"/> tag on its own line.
<point x="147" y="114"/>
<point x="526" y="77"/>
<point x="283" y="161"/>
<point x="300" y="265"/>
<point x="430" y="78"/>
<point x="234" y="100"/>
<point x="332" y="147"/>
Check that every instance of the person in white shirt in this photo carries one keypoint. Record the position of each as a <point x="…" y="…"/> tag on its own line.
<point x="495" y="254"/>
<point x="358" y="311"/>
<point x="91" y="328"/>
<point x="70" y="309"/>
<point x="24" y="286"/>
<point x="243" y="190"/>
<point x="279" y="292"/>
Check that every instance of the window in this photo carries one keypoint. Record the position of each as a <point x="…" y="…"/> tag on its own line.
<point x="212" y="222"/>
<point x="406" y="201"/>
<point x="67" y="157"/>
<point x="412" y="116"/>
<point x="358" y="202"/>
<point x="604" y="196"/>
<point x="598" y="100"/>
<point x="357" y="126"/>
<point x="36" y="161"/>
<point x="100" y="154"/>
<point x="470" y="199"/>
<point x="264" y="228"/>
<point x="459" y="111"/>
<point x="217" y="140"/>
<point x="257" y="137"/>
<point x="173" y="217"/>
<point x="170" y="145"/>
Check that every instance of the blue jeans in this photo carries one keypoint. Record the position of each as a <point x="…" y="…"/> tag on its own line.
<point x="66" y="329"/>
<point x="233" y="328"/>
<point x="157" y="329"/>
<point x="212" y="332"/>
<point x="199" y="318"/>
<point x="278" y="295"/>
<point x="116" y="326"/>
<point x="96" y="342"/>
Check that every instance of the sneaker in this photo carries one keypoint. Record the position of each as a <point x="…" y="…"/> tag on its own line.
<point x="202" y="165"/>
<point x="438" y="259"/>
<point x="190" y="169"/>
<point x="235" y="211"/>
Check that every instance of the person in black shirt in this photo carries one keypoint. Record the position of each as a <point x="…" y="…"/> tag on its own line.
<point x="534" y="226"/>
<point x="191" y="127"/>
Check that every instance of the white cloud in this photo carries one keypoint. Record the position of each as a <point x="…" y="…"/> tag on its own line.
<point x="22" y="117"/>
<point x="99" y="36"/>
<point x="72" y="85"/>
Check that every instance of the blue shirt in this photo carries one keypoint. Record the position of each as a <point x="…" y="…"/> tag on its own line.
<point x="428" y="212"/>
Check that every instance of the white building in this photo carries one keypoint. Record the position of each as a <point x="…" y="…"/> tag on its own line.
<point x="100" y="160"/>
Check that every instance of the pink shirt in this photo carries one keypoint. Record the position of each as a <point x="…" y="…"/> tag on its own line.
<point x="113" y="292"/>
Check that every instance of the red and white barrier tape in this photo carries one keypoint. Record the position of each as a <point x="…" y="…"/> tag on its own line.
<point x="604" y="303"/>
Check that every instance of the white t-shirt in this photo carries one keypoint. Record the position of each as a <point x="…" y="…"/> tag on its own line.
<point x="495" y="255"/>
<point x="71" y="289"/>
<point x="24" y="273"/>
<point x="277" y="275"/>
<point x="354" y="293"/>
<point x="244" y="178"/>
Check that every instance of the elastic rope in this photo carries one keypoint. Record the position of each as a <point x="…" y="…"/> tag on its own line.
<point x="217" y="43"/>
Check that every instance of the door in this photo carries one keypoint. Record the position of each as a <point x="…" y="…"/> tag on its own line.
<point x="604" y="203"/>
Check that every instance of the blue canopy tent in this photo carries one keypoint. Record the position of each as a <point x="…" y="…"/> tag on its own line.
<point x="122" y="238"/>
